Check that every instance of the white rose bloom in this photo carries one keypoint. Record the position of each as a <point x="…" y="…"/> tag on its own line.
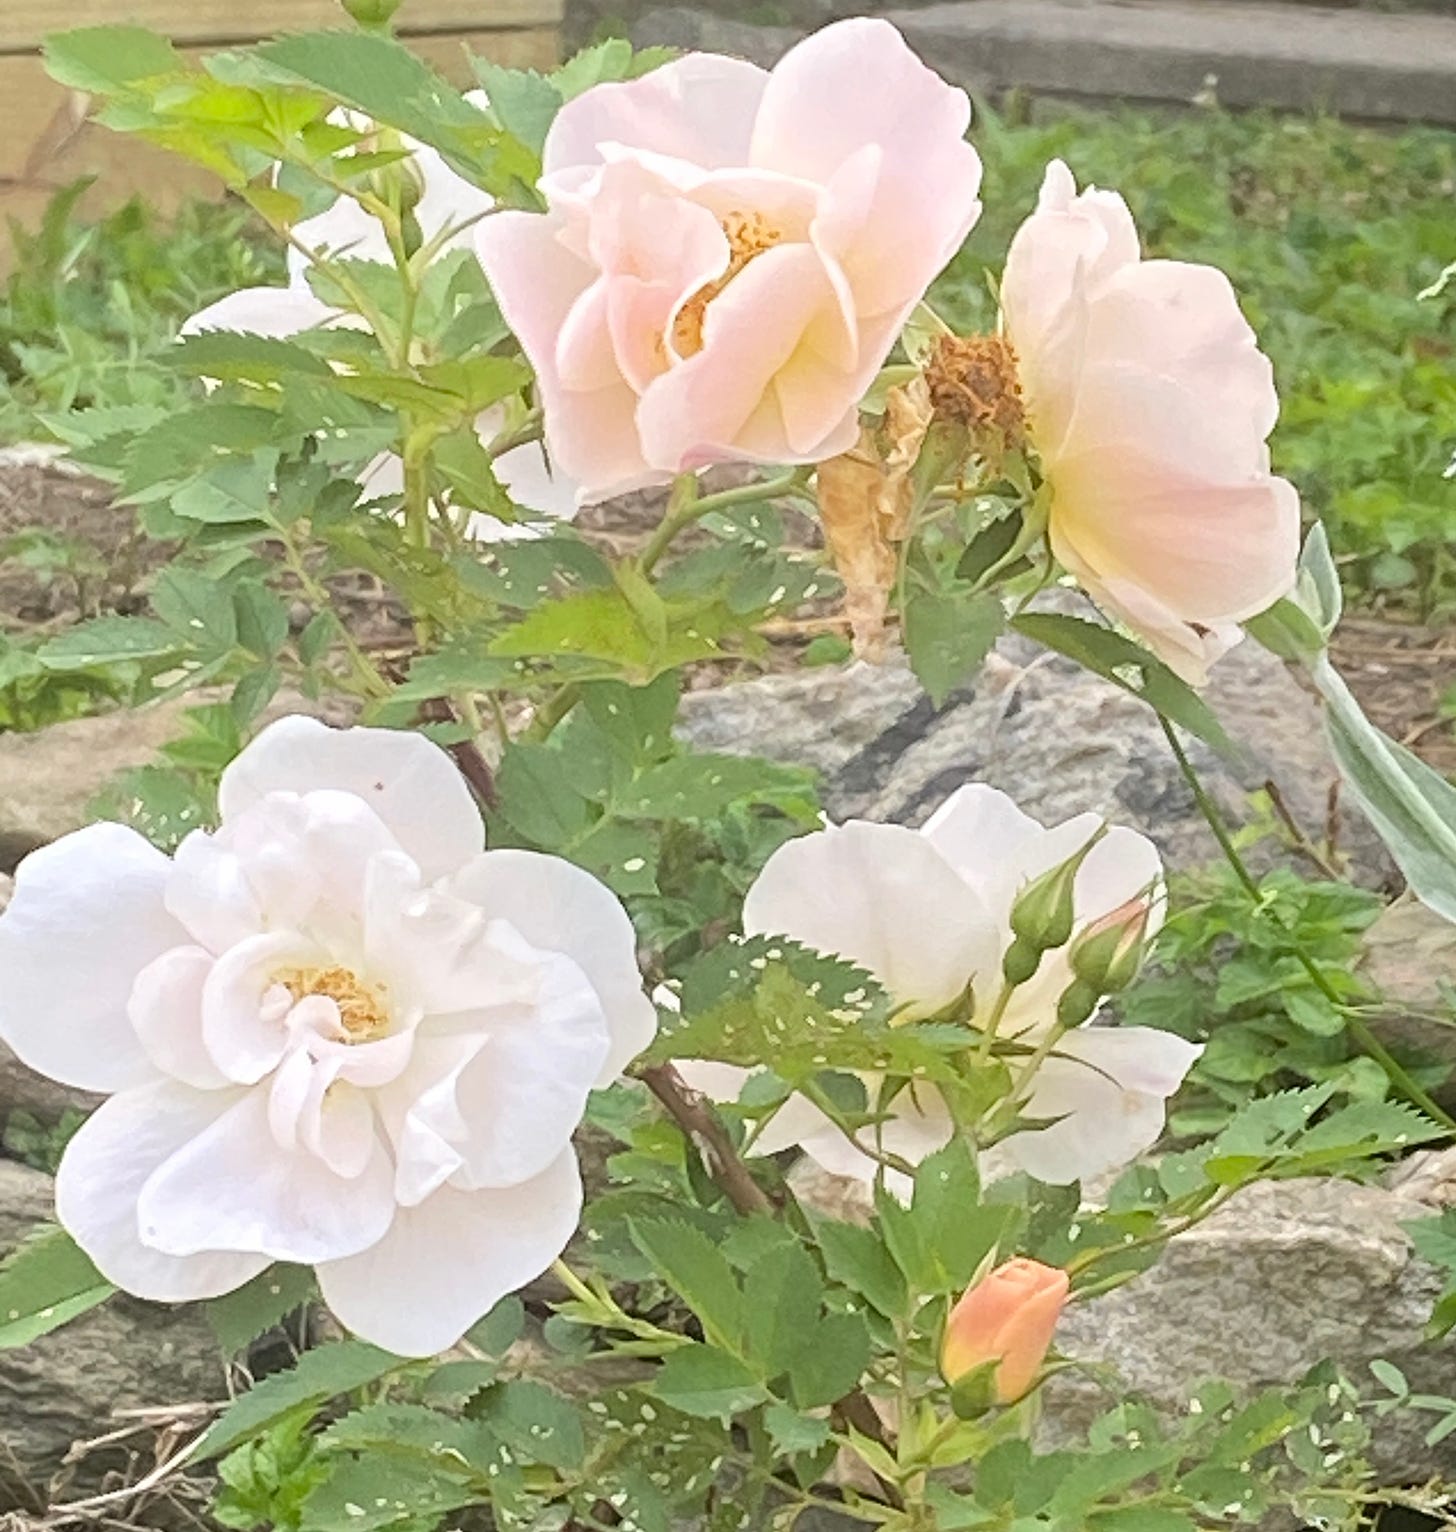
<point x="928" y="913"/>
<point x="347" y="232"/>
<point x="335" y="1031"/>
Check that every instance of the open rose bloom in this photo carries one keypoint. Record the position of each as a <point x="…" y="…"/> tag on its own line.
<point x="336" y="1031"/>
<point x="1149" y="404"/>
<point x="728" y="255"/>
<point x="927" y="913"/>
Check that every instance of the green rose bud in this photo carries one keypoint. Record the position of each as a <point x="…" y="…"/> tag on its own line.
<point x="371" y="13"/>
<point x="1043" y="913"/>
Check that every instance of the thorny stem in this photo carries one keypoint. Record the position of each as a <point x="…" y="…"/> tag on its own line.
<point x="686" y="1108"/>
<point x="1362" y="1034"/>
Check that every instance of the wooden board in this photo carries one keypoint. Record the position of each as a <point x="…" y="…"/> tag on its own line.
<point x="25" y="23"/>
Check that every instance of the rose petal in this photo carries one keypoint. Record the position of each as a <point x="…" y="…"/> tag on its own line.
<point x="699" y="108"/>
<point x="1109" y="1086"/>
<point x="103" y="1170"/>
<point x="87" y="915"/>
<point x="411" y="784"/>
<point x="880" y="896"/>
<point x="166" y="1011"/>
<point x="233" y="1187"/>
<point x="560" y="908"/>
<point x="456" y="1255"/>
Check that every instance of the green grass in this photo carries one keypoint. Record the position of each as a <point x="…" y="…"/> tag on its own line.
<point x="88" y="306"/>
<point x="1329" y="232"/>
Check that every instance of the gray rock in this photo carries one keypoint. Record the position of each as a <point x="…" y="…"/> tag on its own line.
<point x="1410" y="954"/>
<point x="1058" y="739"/>
<point x="1289" y="1274"/>
<point x="1298" y="57"/>
<point x="68" y="1386"/>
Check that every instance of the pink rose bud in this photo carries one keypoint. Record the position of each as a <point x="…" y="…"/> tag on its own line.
<point x="1107" y="955"/>
<point x="1008" y="1318"/>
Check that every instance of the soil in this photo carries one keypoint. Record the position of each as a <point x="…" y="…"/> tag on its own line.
<point x="1403" y="672"/>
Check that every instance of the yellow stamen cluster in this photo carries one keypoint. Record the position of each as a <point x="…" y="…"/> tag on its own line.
<point x="749" y="235"/>
<point x="363" y="1012"/>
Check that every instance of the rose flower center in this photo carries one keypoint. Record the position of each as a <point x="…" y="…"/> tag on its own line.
<point x="363" y="1012"/>
<point x="749" y="235"/>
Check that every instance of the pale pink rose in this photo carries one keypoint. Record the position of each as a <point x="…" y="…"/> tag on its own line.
<point x="728" y="255"/>
<point x="1149" y="404"/>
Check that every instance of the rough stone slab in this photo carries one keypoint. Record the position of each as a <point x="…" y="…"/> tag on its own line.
<point x="1059" y="740"/>
<point x="1294" y="56"/>
<point x="65" y="1387"/>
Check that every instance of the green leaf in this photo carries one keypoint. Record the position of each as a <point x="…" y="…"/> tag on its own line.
<point x="105" y="60"/>
<point x="522" y="101"/>
<point x="46" y="1282"/>
<point x="705" y="1381"/>
<point x="376" y="1490"/>
<point x="500" y="1329"/>
<point x="1434" y="1239"/>
<point x="262" y="619"/>
<point x="1411" y="805"/>
<point x="106" y="640"/>
<point x="537" y="1423"/>
<point x="384" y="80"/>
<point x="199" y="609"/>
<point x="539" y="798"/>
<point x="858" y="1258"/>
<point x="238" y="1318"/>
<point x="833" y="1362"/>
<point x="793" y="1433"/>
<point x="232" y="356"/>
<point x="319" y="1376"/>
<point x="698" y="1271"/>
<point x="947" y="635"/>
<point x="694" y="787"/>
<point x="238" y="490"/>
<point x="782" y="1292"/>
<point x="1126" y="665"/>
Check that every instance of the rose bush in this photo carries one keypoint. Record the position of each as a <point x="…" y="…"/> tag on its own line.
<point x="337" y="1033"/>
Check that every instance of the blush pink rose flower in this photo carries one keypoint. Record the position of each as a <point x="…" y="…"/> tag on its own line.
<point x="728" y="254"/>
<point x="1149" y="403"/>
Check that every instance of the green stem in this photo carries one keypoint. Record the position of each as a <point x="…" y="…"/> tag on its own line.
<point x="684" y="509"/>
<point x="366" y="674"/>
<point x="1362" y="1034"/>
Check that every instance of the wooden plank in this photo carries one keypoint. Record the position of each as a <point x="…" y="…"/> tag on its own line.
<point x="25" y="23"/>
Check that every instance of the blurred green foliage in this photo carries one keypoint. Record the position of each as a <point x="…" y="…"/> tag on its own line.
<point x="87" y="304"/>
<point x="1329" y="232"/>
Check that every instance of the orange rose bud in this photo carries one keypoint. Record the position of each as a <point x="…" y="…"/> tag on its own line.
<point x="1007" y="1317"/>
